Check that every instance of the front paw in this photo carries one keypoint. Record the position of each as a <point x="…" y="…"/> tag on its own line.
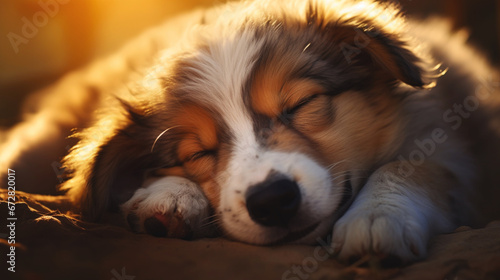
<point x="386" y="232"/>
<point x="169" y="207"/>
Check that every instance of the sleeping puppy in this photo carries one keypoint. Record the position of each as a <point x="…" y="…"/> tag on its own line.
<point x="286" y="121"/>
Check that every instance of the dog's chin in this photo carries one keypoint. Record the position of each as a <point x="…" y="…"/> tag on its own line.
<point x="302" y="232"/>
<point x="308" y="235"/>
<point x="306" y="228"/>
<point x="297" y="234"/>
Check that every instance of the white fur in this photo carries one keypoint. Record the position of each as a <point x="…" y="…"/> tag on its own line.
<point x="170" y="196"/>
<point x="388" y="217"/>
<point x="225" y="69"/>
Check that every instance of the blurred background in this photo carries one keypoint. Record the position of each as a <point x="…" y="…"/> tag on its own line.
<point x="43" y="39"/>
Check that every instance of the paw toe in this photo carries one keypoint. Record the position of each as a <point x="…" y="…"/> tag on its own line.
<point x="174" y="226"/>
<point x="385" y="237"/>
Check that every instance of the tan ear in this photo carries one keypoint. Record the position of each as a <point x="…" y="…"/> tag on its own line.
<point x="386" y="52"/>
<point x="394" y="56"/>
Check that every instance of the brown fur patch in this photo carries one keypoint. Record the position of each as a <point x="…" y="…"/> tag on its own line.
<point x="272" y="93"/>
<point x="199" y="138"/>
<point x="337" y="122"/>
<point x="362" y="132"/>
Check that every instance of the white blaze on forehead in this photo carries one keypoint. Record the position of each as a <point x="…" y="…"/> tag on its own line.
<point x="235" y="60"/>
<point x="223" y="68"/>
<point x="220" y="71"/>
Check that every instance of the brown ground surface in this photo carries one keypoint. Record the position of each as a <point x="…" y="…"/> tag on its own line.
<point x="52" y="245"/>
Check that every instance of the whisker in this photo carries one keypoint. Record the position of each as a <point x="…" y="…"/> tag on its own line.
<point x="344" y="173"/>
<point x="210" y="223"/>
<point x="355" y="170"/>
<point x="339" y="175"/>
<point x="355" y="178"/>
<point x="160" y="135"/>
<point x="331" y="166"/>
<point x="210" y="217"/>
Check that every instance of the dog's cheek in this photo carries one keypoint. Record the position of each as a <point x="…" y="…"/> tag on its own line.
<point x="212" y="190"/>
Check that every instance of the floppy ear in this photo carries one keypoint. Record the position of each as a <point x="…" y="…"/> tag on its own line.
<point x="109" y="164"/>
<point x="119" y="169"/>
<point x="385" y="52"/>
<point x="394" y="56"/>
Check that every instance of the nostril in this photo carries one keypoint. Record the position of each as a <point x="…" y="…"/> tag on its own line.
<point x="273" y="202"/>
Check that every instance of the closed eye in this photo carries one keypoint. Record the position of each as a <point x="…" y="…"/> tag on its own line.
<point x="288" y="113"/>
<point x="199" y="155"/>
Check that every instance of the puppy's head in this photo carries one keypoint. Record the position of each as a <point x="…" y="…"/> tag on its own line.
<point x="278" y="112"/>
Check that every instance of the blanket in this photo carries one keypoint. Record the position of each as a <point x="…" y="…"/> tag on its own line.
<point x="52" y="243"/>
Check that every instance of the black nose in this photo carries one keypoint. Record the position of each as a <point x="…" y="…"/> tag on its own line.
<point x="273" y="202"/>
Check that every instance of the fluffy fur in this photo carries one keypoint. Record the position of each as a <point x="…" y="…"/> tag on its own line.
<point x="378" y="131"/>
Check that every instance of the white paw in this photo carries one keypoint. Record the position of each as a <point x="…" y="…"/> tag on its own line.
<point x="386" y="231"/>
<point x="169" y="206"/>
